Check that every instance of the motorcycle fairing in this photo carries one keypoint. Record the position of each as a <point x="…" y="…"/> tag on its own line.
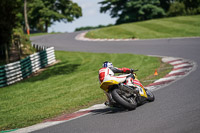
<point x="140" y="87"/>
<point x="105" y="85"/>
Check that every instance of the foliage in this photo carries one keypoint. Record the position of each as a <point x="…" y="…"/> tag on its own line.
<point x="138" y="10"/>
<point x="184" y="7"/>
<point x="8" y="11"/>
<point x="190" y="4"/>
<point x="176" y="9"/>
<point x="9" y="20"/>
<point x="165" y="4"/>
<point x="25" y="42"/>
<point x="43" y="13"/>
<point x="132" y="10"/>
<point x="150" y="11"/>
<point x="192" y="7"/>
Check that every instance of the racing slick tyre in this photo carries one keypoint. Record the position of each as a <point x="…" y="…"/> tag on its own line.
<point x="150" y="95"/>
<point x="126" y="102"/>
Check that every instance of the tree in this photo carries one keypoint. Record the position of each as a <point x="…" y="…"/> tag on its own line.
<point x="191" y="6"/>
<point x="165" y="4"/>
<point x="176" y="9"/>
<point x="184" y="7"/>
<point x="8" y="14"/>
<point x="26" y="17"/>
<point x="132" y="10"/>
<point x="42" y="13"/>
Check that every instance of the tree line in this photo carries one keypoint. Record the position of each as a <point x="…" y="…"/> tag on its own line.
<point x="138" y="10"/>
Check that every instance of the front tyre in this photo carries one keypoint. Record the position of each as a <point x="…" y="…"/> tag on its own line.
<point x="150" y="95"/>
<point x="126" y="102"/>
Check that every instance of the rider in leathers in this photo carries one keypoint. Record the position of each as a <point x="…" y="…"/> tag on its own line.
<point x="107" y="73"/>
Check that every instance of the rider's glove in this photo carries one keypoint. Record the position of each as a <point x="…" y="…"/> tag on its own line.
<point x="131" y="70"/>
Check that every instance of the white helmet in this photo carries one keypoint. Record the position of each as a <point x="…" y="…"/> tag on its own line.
<point x="107" y="64"/>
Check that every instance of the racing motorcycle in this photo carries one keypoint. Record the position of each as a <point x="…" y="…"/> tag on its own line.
<point x="125" y="96"/>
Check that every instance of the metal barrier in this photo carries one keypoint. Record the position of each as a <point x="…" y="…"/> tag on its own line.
<point x="14" y="72"/>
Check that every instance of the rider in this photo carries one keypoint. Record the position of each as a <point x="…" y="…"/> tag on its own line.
<point x="107" y="73"/>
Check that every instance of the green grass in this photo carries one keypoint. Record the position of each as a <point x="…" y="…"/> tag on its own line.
<point x="184" y="26"/>
<point x="40" y="34"/>
<point x="65" y="87"/>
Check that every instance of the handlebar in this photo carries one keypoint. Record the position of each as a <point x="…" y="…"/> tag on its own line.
<point x="134" y="70"/>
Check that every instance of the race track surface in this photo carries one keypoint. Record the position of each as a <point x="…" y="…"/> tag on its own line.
<point x="176" y="108"/>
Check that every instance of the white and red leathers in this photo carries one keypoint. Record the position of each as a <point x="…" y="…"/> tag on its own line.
<point x="107" y="73"/>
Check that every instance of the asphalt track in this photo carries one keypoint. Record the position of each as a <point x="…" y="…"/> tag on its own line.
<point x="176" y="108"/>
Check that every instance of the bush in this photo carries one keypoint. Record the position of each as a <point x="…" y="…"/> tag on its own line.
<point x="150" y="11"/>
<point x="25" y="42"/>
<point x="193" y="11"/>
<point x="176" y="9"/>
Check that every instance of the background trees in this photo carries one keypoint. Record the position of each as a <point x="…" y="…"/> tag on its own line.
<point x="138" y="10"/>
<point x="132" y="10"/>
<point x="184" y="7"/>
<point x="43" y="13"/>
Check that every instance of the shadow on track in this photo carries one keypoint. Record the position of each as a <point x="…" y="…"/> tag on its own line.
<point x="110" y="110"/>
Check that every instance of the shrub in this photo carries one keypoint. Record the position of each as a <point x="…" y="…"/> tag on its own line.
<point x="176" y="9"/>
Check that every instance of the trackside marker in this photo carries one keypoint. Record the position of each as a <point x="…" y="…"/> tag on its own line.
<point x="156" y="73"/>
<point x="175" y="74"/>
<point x="182" y="67"/>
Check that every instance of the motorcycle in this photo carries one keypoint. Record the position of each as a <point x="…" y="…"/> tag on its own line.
<point x="125" y="96"/>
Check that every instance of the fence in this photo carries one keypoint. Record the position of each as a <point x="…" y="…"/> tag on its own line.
<point x="38" y="47"/>
<point x="14" y="72"/>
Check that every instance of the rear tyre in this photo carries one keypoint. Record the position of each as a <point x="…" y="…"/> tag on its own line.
<point x="150" y="95"/>
<point x="126" y="102"/>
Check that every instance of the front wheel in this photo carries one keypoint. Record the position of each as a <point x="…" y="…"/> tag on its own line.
<point x="123" y="100"/>
<point x="150" y="95"/>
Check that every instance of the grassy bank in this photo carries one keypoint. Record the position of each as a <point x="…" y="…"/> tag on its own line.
<point x="65" y="87"/>
<point x="184" y="26"/>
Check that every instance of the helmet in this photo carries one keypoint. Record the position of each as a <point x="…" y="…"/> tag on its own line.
<point x="107" y="64"/>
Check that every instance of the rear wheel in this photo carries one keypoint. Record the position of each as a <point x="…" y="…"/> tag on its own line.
<point x="127" y="101"/>
<point x="150" y="95"/>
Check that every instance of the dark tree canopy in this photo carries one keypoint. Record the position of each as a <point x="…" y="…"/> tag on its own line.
<point x="132" y="10"/>
<point x="184" y="7"/>
<point x="191" y="4"/>
<point x="165" y="4"/>
<point x="9" y="10"/>
<point x="8" y="14"/>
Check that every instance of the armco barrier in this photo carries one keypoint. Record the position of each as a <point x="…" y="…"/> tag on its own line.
<point x="13" y="72"/>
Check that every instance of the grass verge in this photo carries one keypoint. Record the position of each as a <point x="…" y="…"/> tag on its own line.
<point x="65" y="87"/>
<point x="43" y="33"/>
<point x="184" y="26"/>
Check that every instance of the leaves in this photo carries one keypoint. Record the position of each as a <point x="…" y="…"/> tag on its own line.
<point x="47" y="12"/>
<point x="132" y="10"/>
